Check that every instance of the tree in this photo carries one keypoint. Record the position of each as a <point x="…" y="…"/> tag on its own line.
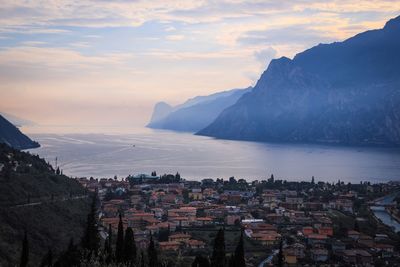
<point x="280" y="255"/>
<point x="47" y="260"/>
<point x="25" y="251"/>
<point x="356" y="226"/>
<point x="152" y="253"/>
<point x="91" y="238"/>
<point x="312" y="180"/>
<point x="239" y="260"/>
<point x="71" y="257"/>
<point x="129" y="247"/>
<point x="108" y="245"/>
<point x="142" y="260"/>
<point x="218" y="255"/>
<point x="200" y="261"/>
<point x="271" y="179"/>
<point x="119" y="248"/>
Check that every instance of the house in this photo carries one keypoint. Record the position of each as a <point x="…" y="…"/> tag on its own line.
<point x="195" y="244"/>
<point x="366" y="241"/>
<point x="169" y="245"/>
<point x="202" y="221"/>
<point x="319" y="255"/>
<point x="363" y="257"/>
<point x="360" y="256"/>
<point x="196" y="194"/>
<point x="316" y="239"/>
<point x="298" y="250"/>
<point x="325" y="230"/>
<point x="179" y="237"/>
<point x="337" y="246"/>
<point x="275" y="218"/>
<point x="307" y="230"/>
<point x="353" y="234"/>
<point x="290" y="256"/>
<point x="232" y="219"/>
<point x="385" y="250"/>
<point x="269" y="238"/>
<point x="179" y="221"/>
<point x="350" y="256"/>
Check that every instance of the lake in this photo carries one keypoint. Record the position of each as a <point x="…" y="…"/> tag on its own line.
<point x="88" y="153"/>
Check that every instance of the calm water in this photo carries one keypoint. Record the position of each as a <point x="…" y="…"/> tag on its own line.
<point x="195" y="157"/>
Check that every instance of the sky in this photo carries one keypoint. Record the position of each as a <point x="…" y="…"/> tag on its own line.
<point x="107" y="63"/>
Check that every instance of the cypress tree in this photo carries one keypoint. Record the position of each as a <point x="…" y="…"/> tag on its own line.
<point x="108" y="245"/>
<point x="47" y="260"/>
<point x="280" y="255"/>
<point x="239" y="260"/>
<point x="142" y="260"/>
<point x="152" y="253"/>
<point x="218" y="256"/>
<point x="356" y="226"/>
<point x="119" y="248"/>
<point x="129" y="246"/>
<point x="200" y="261"/>
<point x="231" y="261"/>
<point x="91" y="238"/>
<point x="25" y="251"/>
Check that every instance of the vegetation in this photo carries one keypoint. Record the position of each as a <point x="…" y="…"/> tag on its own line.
<point x="51" y="208"/>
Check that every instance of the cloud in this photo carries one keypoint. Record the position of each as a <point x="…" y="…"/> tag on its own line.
<point x="175" y="37"/>
<point x="139" y="51"/>
<point x="265" y="56"/>
<point x="300" y="34"/>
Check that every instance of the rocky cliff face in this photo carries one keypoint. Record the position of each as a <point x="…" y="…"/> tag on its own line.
<point x="198" y="112"/>
<point x="347" y="93"/>
<point x="160" y="111"/>
<point x="12" y="136"/>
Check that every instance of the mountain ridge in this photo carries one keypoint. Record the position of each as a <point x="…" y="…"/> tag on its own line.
<point x="344" y="93"/>
<point x="12" y="136"/>
<point x="195" y="113"/>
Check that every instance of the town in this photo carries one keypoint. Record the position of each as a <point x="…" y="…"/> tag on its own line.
<point x="281" y="223"/>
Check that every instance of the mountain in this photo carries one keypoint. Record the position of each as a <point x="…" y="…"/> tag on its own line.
<point x="52" y="208"/>
<point x="345" y="92"/>
<point x="160" y="111"/>
<point x="12" y="136"/>
<point x="17" y="121"/>
<point x="196" y="113"/>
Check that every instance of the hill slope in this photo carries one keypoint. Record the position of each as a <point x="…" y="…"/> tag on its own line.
<point x="198" y="112"/>
<point x="52" y="208"/>
<point x="346" y="92"/>
<point x="12" y="136"/>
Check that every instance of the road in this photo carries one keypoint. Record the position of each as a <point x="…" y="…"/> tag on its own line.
<point x="62" y="199"/>
<point x="269" y="259"/>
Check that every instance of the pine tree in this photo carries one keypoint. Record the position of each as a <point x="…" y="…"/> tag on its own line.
<point x="91" y="238"/>
<point x="119" y="248"/>
<point x="312" y="180"/>
<point x="25" y="251"/>
<point x="129" y="247"/>
<point x="218" y="256"/>
<point x="239" y="260"/>
<point x="152" y="253"/>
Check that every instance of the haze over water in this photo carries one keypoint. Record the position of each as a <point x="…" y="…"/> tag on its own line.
<point x="90" y="152"/>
